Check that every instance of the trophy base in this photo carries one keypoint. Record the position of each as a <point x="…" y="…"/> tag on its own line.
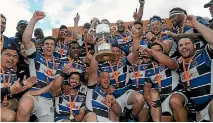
<point x="105" y="55"/>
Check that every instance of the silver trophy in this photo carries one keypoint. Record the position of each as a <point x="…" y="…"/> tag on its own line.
<point x="103" y="50"/>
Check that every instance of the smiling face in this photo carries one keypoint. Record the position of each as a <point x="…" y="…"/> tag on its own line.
<point x="186" y="48"/>
<point x="176" y="19"/>
<point x="74" y="50"/>
<point x="139" y="28"/>
<point x="156" y="27"/>
<point x="63" y="32"/>
<point x="9" y="58"/>
<point x="74" y="81"/>
<point x="120" y="25"/>
<point x="104" y="80"/>
<point x="49" y="47"/>
<point x="117" y="53"/>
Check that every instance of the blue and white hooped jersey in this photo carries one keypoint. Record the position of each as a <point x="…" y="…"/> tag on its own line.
<point x="123" y="76"/>
<point x="75" y="64"/>
<point x="169" y="79"/>
<point x="143" y="78"/>
<point x="95" y="101"/>
<point x="61" y="50"/>
<point x="45" y="73"/>
<point x="62" y="103"/>
<point x="200" y="78"/>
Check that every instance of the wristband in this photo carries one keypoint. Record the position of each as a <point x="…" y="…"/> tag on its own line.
<point x="62" y="74"/>
<point x="21" y="83"/>
<point x="153" y="39"/>
<point x="170" y="34"/>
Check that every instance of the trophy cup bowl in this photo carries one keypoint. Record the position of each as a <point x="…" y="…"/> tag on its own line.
<point x="103" y="50"/>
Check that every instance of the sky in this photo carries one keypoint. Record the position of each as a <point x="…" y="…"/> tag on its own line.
<point x="60" y="12"/>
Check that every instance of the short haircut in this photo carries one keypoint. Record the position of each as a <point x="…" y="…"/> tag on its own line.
<point x="138" y="22"/>
<point x="189" y="36"/>
<point x="3" y="17"/>
<point x="155" y="18"/>
<point x="11" y="46"/>
<point x="155" y="43"/>
<point x="73" y="42"/>
<point x="49" y="37"/>
<point x="63" y="27"/>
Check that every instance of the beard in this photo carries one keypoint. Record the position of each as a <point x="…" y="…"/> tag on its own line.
<point x="75" y="85"/>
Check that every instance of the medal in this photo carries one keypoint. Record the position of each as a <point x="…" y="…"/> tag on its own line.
<point x="115" y="73"/>
<point x="71" y="117"/>
<point x="6" y="83"/>
<point x="158" y="78"/>
<point x="49" y="71"/>
<point x="72" y="104"/>
<point x="187" y="73"/>
<point x="61" y="51"/>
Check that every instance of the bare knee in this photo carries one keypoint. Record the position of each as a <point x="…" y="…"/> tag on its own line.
<point x="176" y="101"/>
<point x="8" y="115"/>
<point x="25" y="106"/>
<point x="136" y="98"/>
<point x="155" y="95"/>
<point x="90" y="117"/>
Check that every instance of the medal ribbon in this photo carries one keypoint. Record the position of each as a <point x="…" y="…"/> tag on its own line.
<point x="6" y="83"/>
<point x="72" y="103"/>
<point x="115" y="73"/>
<point x="49" y="71"/>
<point x="157" y="75"/>
<point x="187" y="72"/>
<point x="137" y="75"/>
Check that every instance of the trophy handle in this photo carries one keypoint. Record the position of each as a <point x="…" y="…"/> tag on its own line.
<point x="91" y="31"/>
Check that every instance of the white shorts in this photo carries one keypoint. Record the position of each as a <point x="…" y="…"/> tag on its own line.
<point x="203" y="114"/>
<point x="43" y="107"/>
<point x="123" y="99"/>
<point x="103" y="119"/>
<point x="166" y="106"/>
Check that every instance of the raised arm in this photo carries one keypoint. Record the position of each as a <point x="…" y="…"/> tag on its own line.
<point x="29" y="29"/>
<point x="76" y="20"/>
<point x="138" y="16"/>
<point x="56" y="86"/>
<point x="136" y="41"/>
<point x="93" y="75"/>
<point x="163" y="59"/>
<point x="206" y="32"/>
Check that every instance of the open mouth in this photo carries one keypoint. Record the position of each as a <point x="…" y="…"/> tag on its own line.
<point x="10" y="62"/>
